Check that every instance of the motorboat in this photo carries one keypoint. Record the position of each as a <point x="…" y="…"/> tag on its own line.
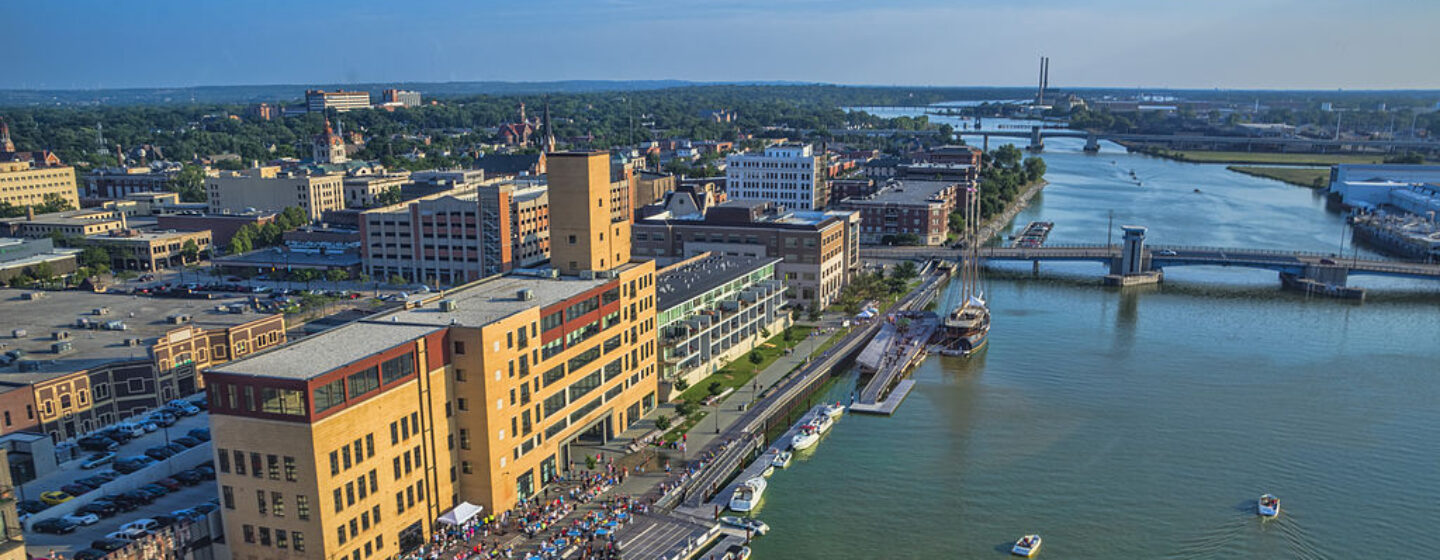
<point x="769" y="470"/>
<point x="805" y="439"/>
<point x="782" y="459"/>
<point x="1027" y="546"/>
<point x="1268" y="506"/>
<point x="822" y="423"/>
<point x="747" y="495"/>
<point x="736" y="552"/>
<point x="754" y="525"/>
<point x="834" y="410"/>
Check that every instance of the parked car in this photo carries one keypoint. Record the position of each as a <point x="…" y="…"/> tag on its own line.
<point x="87" y="554"/>
<point x="188" y="478"/>
<point x="127" y="535"/>
<point x="128" y="467"/>
<point x="202" y="434"/>
<point x="165" y="520"/>
<point x="92" y="481"/>
<point x="206" y="507"/>
<point x="183" y="409"/>
<point x="106" y="475"/>
<point x="143" y="524"/>
<point x="101" y="508"/>
<point x="200" y="403"/>
<point x="159" y="453"/>
<point x="169" y="483"/>
<point x="108" y="544"/>
<point x="98" y="459"/>
<point x="117" y="434"/>
<point x="134" y="430"/>
<point x="97" y="443"/>
<point x="155" y="490"/>
<point x="58" y="526"/>
<point x="120" y="501"/>
<point x="55" y="497"/>
<point x="163" y="419"/>
<point x="75" y="489"/>
<point x="206" y="472"/>
<point x="186" y="441"/>
<point x="149" y="426"/>
<point x="31" y="506"/>
<point x="79" y="518"/>
<point x="138" y="497"/>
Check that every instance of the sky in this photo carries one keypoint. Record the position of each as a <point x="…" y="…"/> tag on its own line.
<point x="1228" y="44"/>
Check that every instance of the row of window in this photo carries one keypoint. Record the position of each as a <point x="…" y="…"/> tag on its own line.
<point x="276" y="504"/>
<point x="283" y="539"/>
<point x="261" y="466"/>
<point x="361" y="449"/>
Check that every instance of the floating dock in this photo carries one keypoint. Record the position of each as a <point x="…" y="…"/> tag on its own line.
<point x="892" y="356"/>
<point x="891" y="402"/>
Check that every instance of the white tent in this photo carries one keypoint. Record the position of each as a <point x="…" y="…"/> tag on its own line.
<point x="462" y="513"/>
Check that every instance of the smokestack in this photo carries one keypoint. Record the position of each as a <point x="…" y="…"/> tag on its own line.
<point x="1040" y="84"/>
<point x="1047" y="76"/>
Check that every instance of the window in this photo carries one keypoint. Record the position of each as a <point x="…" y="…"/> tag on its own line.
<point x="272" y="463"/>
<point x="328" y="396"/>
<point x="264" y="536"/>
<point x="260" y="501"/>
<point x="399" y="503"/>
<point x="334" y="463"/>
<point x="279" y="538"/>
<point x="462" y="404"/>
<point x="249" y="531"/>
<point x="554" y="374"/>
<point x="363" y="382"/>
<point x="290" y="469"/>
<point x="339" y="500"/>
<point x="349" y="493"/>
<point x="239" y="462"/>
<point x="551" y="321"/>
<point x="374" y="486"/>
<point x="394" y="433"/>
<point x="359" y="452"/>
<point x="228" y="494"/>
<point x="302" y="506"/>
<point x="397" y="468"/>
<point x="224" y="457"/>
<point x="369" y="445"/>
<point x="340" y="533"/>
<point x="277" y="504"/>
<point x="297" y="541"/>
<point x="256" y="466"/>
<point x="345" y="456"/>
<point x="399" y="367"/>
<point x="459" y="347"/>
<point x="281" y="401"/>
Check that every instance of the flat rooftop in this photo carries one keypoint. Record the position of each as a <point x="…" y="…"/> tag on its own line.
<point x="904" y="191"/>
<point x="144" y="318"/>
<point x="477" y="304"/>
<point x="675" y="284"/>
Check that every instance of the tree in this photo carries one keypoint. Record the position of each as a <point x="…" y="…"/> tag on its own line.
<point x="905" y="271"/>
<point x="390" y="196"/>
<point x="190" y="251"/>
<point x="53" y="203"/>
<point x="590" y="462"/>
<point x="190" y="183"/>
<point x="337" y="275"/>
<point x="788" y="334"/>
<point x="397" y="280"/>
<point x="686" y="408"/>
<point x="364" y="278"/>
<point x="715" y="388"/>
<point x="270" y="235"/>
<point x="756" y="357"/>
<point x="244" y="240"/>
<point x="957" y="222"/>
<point x="662" y="422"/>
<point x="43" y="271"/>
<point x="681" y="384"/>
<point x="94" y="257"/>
<point x="1034" y="168"/>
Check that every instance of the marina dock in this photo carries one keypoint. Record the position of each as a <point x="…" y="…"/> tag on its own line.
<point x="891" y="356"/>
<point x="890" y="403"/>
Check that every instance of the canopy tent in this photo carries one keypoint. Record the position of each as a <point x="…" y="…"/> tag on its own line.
<point x="462" y="513"/>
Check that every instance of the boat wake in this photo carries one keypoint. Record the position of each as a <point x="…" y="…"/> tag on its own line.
<point x="1245" y="535"/>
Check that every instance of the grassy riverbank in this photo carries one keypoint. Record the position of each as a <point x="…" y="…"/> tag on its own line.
<point x="1274" y="158"/>
<point x="1298" y="176"/>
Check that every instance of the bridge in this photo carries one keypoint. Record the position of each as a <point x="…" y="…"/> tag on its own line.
<point x="1136" y="263"/>
<point x="1037" y="135"/>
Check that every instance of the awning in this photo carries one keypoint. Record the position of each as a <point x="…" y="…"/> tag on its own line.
<point x="462" y="513"/>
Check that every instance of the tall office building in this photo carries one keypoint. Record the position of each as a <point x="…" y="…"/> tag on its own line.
<point x="319" y="100"/>
<point x="786" y="174"/>
<point x="585" y="238"/>
<point x="367" y="433"/>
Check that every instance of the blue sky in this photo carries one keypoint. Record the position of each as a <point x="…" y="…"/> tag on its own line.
<point x="1320" y="44"/>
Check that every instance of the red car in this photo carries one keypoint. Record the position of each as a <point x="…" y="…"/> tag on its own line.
<point x="169" y="483"/>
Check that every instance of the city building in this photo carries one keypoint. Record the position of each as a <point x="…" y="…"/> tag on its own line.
<point x="511" y="165"/>
<point x="952" y="154"/>
<point x="369" y="432"/>
<point x="268" y="189"/>
<point x="364" y="191"/>
<point x="26" y="180"/>
<point x="651" y="186"/>
<point x="22" y="256"/>
<point x="400" y="97"/>
<point x="1369" y="186"/>
<point x="150" y="251"/>
<point x="589" y="237"/>
<point x="263" y="112"/>
<point x="72" y="223"/>
<point x="713" y="309"/>
<point x="120" y="182"/>
<point x="320" y="101"/>
<point x="88" y="360"/>
<point x="786" y="174"/>
<point x="328" y="147"/>
<point x="12" y="540"/>
<point x="459" y="235"/>
<point x="900" y="208"/>
<point x="820" y="250"/>
<point x="222" y="226"/>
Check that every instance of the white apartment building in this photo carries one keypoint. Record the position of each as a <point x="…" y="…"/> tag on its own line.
<point x="786" y="174"/>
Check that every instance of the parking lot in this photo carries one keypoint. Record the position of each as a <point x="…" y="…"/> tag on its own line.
<point x="69" y="471"/>
<point x="82" y="537"/>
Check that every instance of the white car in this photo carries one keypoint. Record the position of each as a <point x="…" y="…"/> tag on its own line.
<point x="127" y="534"/>
<point x="149" y="426"/>
<point x="82" y="518"/>
<point x="144" y="525"/>
<point x="98" y="459"/>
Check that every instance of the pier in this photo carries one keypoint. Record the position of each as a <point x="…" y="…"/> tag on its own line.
<point x="901" y="344"/>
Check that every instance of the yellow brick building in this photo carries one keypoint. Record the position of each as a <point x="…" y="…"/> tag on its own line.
<point x="481" y="395"/>
<point x="24" y="184"/>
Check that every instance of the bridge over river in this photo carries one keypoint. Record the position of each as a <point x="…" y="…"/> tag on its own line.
<point x="1135" y="262"/>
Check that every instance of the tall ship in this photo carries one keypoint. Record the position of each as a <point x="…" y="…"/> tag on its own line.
<point x="967" y="328"/>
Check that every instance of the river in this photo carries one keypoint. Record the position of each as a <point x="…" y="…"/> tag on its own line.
<point x="1144" y="423"/>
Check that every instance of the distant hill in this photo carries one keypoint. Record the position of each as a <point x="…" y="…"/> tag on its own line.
<point x="296" y="93"/>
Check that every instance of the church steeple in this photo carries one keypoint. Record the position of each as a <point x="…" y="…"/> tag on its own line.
<point x="329" y="147"/>
<point x="549" y="131"/>
<point x="5" y="144"/>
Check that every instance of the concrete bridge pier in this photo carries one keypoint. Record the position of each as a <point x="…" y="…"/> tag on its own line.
<point x="1037" y="142"/>
<point x="1322" y="280"/>
<point x="1132" y="268"/>
<point x="1092" y="143"/>
<point x="986" y="147"/>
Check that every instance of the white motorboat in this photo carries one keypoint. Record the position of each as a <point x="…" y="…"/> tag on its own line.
<point x="769" y="470"/>
<point x="822" y="423"/>
<point x="754" y="525"/>
<point x="747" y="495"/>
<point x="1268" y="506"/>
<point x="834" y="410"/>
<point x="1027" y="546"/>
<point x="805" y="439"/>
<point x="781" y="459"/>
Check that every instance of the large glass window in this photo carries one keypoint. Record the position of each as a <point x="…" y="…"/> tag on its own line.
<point x="282" y="401"/>
<point x="554" y="374"/>
<point x="584" y="386"/>
<point x="575" y="311"/>
<point x="584" y="358"/>
<point x="363" y="382"/>
<point x="555" y="403"/>
<point x="396" y="368"/>
<point x="552" y="321"/>
<point x="328" y="396"/>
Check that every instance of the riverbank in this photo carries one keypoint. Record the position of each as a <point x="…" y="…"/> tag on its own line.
<point x="1310" y="178"/>
<point x="992" y="226"/>
<point x="1266" y="158"/>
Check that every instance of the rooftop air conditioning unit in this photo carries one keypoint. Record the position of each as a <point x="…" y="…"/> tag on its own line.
<point x="526" y="294"/>
<point x="448" y="305"/>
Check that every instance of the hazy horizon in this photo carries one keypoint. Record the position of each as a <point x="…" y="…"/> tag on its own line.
<point x="1124" y="44"/>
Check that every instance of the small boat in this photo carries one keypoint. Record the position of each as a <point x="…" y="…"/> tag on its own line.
<point x="1268" y="506"/>
<point x="769" y="470"/>
<point x="822" y="423"/>
<point x="782" y="459"/>
<point x="747" y="495"/>
<point x="754" y="525"/>
<point x="1197" y="190"/>
<point x="805" y="439"/>
<point x="1027" y="546"/>
<point x="834" y="410"/>
<point x="736" y="552"/>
